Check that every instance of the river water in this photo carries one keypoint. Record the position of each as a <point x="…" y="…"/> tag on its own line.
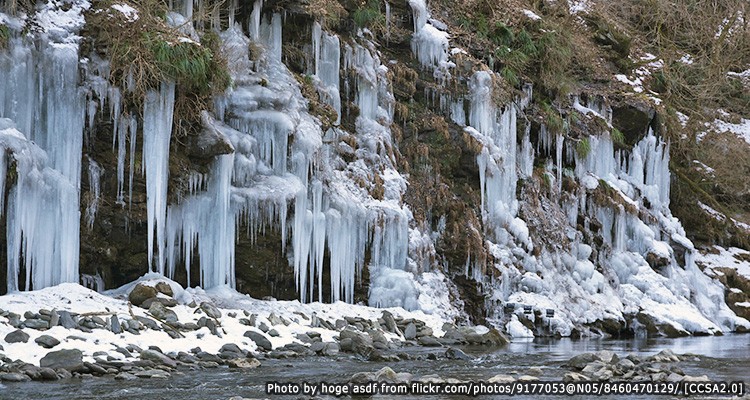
<point x="724" y="358"/>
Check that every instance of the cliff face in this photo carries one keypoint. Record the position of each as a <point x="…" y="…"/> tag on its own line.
<point x="522" y="166"/>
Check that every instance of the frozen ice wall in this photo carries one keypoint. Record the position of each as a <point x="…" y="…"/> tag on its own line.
<point x="39" y="92"/>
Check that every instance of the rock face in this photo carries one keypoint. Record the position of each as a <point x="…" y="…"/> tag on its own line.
<point x="70" y="360"/>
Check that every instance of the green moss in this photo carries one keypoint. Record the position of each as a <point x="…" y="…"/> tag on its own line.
<point x="583" y="148"/>
<point x="4" y="36"/>
<point x="552" y="119"/>
<point x="618" y="137"/>
<point x="368" y="15"/>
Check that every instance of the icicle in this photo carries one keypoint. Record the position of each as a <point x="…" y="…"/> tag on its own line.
<point x="327" y="52"/>
<point x="133" y="146"/>
<point x="158" y="110"/>
<point x="95" y="172"/>
<point x="255" y="19"/>
<point x="560" y="140"/>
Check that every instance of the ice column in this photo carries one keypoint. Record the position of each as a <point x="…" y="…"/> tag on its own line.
<point x="158" y="111"/>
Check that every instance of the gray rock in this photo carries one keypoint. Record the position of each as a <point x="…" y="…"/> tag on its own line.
<point x="410" y="332"/>
<point x="54" y="319"/>
<point x="35" y="323"/>
<point x="377" y="336"/>
<point x="331" y="349"/>
<point x="157" y="357"/>
<point x="317" y="347"/>
<point x="148" y="323"/>
<point x="210" y="141"/>
<point x="187" y="358"/>
<point x="259" y="339"/>
<point x="274" y="320"/>
<point x="124" y="376"/>
<point x="48" y="374"/>
<point x="360" y="343"/>
<point x="141" y="293"/>
<point x="70" y="360"/>
<point x="575" y="377"/>
<point x="17" y="336"/>
<point x="429" y="341"/>
<point x="152" y="374"/>
<point x="159" y="311"/>
<point x="114" y="325"/>
<point x="164" y="288"/>
<point x="63" y="373"/>
<point x="232" y="348"/>
<point x="164" y="301"/>
<point x="580" y="361"/>
<point x="94" y="368"/>
<point x="204" y="356"/>
<point x="210" y="310"/>
<point x="243" y="363"/>
<point x="47" y="341"/>
<point x="14" y="377"/>
<point x="607" y="356"/>
<point x="389" y="321"/>
<point x="502" y="379"/>
<point x="66" y="320"/>
<point x="665" y="355"/>
<point x="625" y="364"/>
<point x="456" y="354"/>
<point x="273" y="333"/>
<point x="263" y="327"/>
<point x="340" y="324"/>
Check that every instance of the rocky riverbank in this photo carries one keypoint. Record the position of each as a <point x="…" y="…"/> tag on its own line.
<point x="153" y="328"/>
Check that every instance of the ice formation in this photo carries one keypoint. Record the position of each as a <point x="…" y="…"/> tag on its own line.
<point x="343" y="214"/>
<point x="39" y="92"/>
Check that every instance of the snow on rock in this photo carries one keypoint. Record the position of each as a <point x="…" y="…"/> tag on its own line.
<point x="517" y="330"/>
<point x="77" y="299"/>
<point x="731" y="258"/>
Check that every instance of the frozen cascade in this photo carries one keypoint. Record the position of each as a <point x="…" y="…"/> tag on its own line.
<point x="663" y="297"/>
<point x="205" y="220"/>
<point x="496" y="130"/>
<point x="158" y="110"/>
<point x="39" y="91"/>
<point x="429" y="43"/>
<point x="327" y="53"/>
<point x="331" y="211"/>
<point x="39" y="204"/>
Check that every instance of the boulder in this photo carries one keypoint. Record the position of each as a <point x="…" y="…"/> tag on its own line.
<point x="360" y="343"/>
<point x="410" y="332"/>
<point x="70" y="360"/>
<point x="259" y="340"/>
<point x="456" y="354"/>
<point x="210" y="310"/>
<point x="47" y="341"/>
<point x="164" y="288"/>
<point x="141" y="293"/>
<point x="36" y="323"/>
<point x="580" y="361"/>
<point x="157" y="357"/>
<point x="243" y="363"/>
<point x="159" y="311"/>
<point x="14" y="377"/>
<point x="17" y="336"/>
<point x="66" y="320"/>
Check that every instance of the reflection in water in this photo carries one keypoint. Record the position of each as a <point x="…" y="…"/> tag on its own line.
<point x="723" y="358"/>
